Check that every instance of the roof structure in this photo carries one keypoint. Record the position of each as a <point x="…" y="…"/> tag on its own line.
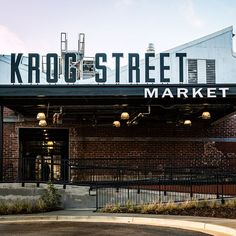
<point x="105" y="101"/>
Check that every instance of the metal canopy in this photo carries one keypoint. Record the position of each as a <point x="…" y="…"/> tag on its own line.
<point x="102" y="104"/>
<point x="99" y="89"/>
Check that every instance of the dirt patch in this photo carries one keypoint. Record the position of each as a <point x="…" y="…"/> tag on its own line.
<point x="221" y="212"/>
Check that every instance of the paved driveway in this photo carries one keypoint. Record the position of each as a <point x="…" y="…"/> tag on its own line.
<point x="93" y="229"/>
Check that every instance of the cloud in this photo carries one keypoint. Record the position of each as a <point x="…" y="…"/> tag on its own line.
<point x="190" y="15"/>
<point x="10" y="42"/>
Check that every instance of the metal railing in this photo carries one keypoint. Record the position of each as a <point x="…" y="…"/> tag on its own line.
<point x="141" y="180"/>
<point x="180" y="188"/>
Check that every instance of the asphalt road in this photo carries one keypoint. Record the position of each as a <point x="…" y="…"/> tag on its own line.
<point x="93" y="229"/>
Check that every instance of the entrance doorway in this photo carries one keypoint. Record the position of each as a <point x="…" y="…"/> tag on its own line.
<point x="43" y="154"/>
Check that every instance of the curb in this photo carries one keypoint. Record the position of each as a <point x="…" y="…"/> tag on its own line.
<point x="182" y="224"/>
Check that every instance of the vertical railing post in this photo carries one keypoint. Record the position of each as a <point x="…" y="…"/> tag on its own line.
<point x="217" y="185"/>
<point x="96" y="198"/>
<point x="222" y="181"/>
<point x="222" y="189"/>
<point x="191" y="185"/>
<point x="64" y="173"/>
<point x="164" y="183"/>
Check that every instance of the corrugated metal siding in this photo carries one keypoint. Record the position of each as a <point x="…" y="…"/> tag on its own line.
<point x="201" y="71"/>
<point x="210" y="72"/>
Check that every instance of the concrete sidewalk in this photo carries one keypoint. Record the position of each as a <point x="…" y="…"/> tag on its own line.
<point x="215" y="226"/>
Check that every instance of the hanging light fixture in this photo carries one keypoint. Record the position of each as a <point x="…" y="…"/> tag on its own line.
<point x="124" y="116"/>
<point x="42" y="123"/>
<point x="50" y="143"/>
<point x="41" y="116"/>
<point x="188" y="122"/>
<point x="116" y="124"/>
<point x="206" y="115"/>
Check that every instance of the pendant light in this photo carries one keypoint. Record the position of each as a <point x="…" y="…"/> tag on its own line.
<point x="41" y="116"/>
<point x="42" y="123"/>
<point x="206" y="115"/>
<point x="124" y="116"/>
<point x="116" y="124"/>
<point x="188" y="122"/>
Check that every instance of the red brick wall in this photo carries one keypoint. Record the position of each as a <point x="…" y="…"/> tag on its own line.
<point x="85" y="142"/>
<point x="143" y="149"/>
<point x="10" y="151"/>
<point x="124" y="143"/>
<point x="132" y="142"/>
<point x="10" y="138"/>
<point x="226" y="147"/>
<point x="226" y="129"/>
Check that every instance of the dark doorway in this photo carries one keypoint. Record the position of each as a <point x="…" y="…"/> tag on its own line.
<point x="43" y="154"/>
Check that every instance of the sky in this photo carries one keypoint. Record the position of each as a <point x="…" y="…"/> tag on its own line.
<point x="109" y="25"/>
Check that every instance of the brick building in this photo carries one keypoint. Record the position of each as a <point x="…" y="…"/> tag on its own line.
<point x="79" y="142"/>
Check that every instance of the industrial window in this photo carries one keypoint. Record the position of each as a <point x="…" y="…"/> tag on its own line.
<point x="210" y="72"/>
<point x="192" y="71"/>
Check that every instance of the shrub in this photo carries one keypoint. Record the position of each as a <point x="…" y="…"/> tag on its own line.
<point x="202" y="204"/>
<point x="49" y="201"/>
<point x="17" y="207"/>
<point x="215" y="204"/>
<point x="51" y="198"/>
<point x="231" y="203"/>
<point x="40" y="205"/>
<point x="3" y="207"/>
<point x="214" y="208"/>
<point x="147" y="208"/>
<point x="130" y="207"/>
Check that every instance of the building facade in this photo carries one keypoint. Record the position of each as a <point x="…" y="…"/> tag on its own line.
<point x="165" y="137"/>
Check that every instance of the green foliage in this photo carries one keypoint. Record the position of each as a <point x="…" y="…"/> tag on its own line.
<point x="231" y="203"/>
<point x="203" y="204"/>
<point x="41" y="205"/>
<point x="116" y="208"/>
<point x="17" y="207"/>
<point x="130" y="207"/>
<point x="49" y="201"/>
<point x="170" y="207"/>
<point x="51" y="198"/>
<point x="148" y="208"/>
<point x="215" y="204"/>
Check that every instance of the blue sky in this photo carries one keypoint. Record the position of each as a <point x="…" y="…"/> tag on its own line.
<point x="110" y="25"/>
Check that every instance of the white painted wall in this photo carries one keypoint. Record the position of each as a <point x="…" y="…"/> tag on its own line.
<point x="216" y="46"/>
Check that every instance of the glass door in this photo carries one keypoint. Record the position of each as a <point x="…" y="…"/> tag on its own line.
<point x="44" y="159"/>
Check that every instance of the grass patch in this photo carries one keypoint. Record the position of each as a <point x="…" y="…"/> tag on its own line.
<point x="194" y="208"/>
<point x="49" y="201"/>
